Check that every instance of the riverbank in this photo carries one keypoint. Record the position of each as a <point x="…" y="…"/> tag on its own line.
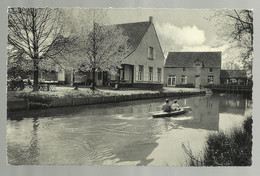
<point x="231" y="148"/>
<point x="67" y="96"/>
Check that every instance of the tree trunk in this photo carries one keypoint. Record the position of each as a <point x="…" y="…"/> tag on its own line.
<point x="35" y="76"/>
<point x="118" y="78"/>
<point x="36" y="52"/>
<point x="93" y="79"/>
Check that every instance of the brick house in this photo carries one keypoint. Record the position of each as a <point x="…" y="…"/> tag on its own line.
<point x="142" y="68"/>
<point x="192" y="68"/>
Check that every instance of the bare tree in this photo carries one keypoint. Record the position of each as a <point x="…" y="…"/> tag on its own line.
<point x="236" y="28"/>
<point x="17" y="61"/>
<point x="34" y="32"/>
<point x="100" y="47"/>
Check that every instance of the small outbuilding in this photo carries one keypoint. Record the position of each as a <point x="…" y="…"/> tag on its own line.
<point x="233" y="77"/>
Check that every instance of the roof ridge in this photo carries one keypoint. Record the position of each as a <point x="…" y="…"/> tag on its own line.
<point x="131" y="23"/>
<point x="195" y="52"/>
<point x="186" y="59"/>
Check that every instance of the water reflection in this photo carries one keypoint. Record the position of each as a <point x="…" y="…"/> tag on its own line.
<point x="24" y="153"/>
<point x="34" y="143"/>
<point x="205" y="113"/>
<point x="231" y="103"/>
<point x="108" y="134"/>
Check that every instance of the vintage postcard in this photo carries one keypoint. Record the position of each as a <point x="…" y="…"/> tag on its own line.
<point x="138" y="87"/>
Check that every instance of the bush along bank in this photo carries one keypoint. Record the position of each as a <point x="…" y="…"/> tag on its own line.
<point x="38" y="100"/>
<point x="232" y="148"/>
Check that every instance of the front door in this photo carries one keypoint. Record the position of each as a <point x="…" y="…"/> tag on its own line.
<point x="197" y="81"/>
<point x="105" y="78"/>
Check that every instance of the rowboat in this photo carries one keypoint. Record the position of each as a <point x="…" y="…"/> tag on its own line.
<point x="171" y="114"/>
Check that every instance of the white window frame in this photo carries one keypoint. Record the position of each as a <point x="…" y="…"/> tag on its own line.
<point x="185" y="79"/>
<point x="150" y="53"/>
<point x="197" y="67"/>
<point x="171" y="80"/>
<point x="150" y="73"/>
<point x="140" y="72"/>
<point x="210" y="79"/>
<point x="159" y="74"/>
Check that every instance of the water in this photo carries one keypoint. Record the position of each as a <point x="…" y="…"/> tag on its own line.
<point x="121" y="133"/>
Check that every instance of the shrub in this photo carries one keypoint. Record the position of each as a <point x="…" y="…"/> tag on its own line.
<point x="189" y="85"/>
<point x="233" y="148"/>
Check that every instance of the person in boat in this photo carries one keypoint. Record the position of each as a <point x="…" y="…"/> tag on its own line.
<point x="175" y="106"/>
<point x="166" y="106"/>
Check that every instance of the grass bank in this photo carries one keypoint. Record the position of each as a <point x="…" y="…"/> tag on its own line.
<point x="230" y="148"/>
<point x="67" y="96"/>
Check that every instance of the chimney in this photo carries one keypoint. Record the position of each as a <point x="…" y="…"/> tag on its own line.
<point x="150" y="19"/>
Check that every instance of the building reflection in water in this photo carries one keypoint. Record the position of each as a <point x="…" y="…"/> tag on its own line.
<point x="205" y="113"/>
<point x="206" y="110"/>
<point x="231" y="103"/>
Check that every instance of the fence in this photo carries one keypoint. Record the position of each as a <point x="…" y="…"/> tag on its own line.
<point x="231" y="88"/>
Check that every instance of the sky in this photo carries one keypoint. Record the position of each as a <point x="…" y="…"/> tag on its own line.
<point x="177" y="29"/>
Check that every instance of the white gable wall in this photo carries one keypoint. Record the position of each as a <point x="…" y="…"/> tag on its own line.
<point x="140" y="57"/>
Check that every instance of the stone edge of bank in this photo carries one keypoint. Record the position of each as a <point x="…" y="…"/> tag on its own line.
<point x="63" y="102"/>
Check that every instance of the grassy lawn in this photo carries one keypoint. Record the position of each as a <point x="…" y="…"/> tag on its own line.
<point x="63" y="92"/>
<point x="44" y="98"/>
<point x="60" y="92"/>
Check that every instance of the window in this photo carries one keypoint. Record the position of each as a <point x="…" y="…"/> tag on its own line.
<point x="197" y="67"/>
<point x="159" y="74"/>
<point x="150" y="73"/>
<point x="183" y="79"/>
<point x="150" y="52"/>
<point x="210" y="70"/>
<point x="210" y="79"/>
<point x="171" y="80"/>
<point x="140" y="72"/>
<point x="99" y="75"/>
<point x="184" y="69"/>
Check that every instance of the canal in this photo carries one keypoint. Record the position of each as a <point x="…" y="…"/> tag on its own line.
<point x="120" y="133"/>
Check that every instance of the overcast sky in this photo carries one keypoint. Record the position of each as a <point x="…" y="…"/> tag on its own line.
<point x="186" y="28"/>
<point x="178" y="29"/>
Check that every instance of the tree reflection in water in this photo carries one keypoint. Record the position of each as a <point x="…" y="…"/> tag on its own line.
<point x="119" y="132"/>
